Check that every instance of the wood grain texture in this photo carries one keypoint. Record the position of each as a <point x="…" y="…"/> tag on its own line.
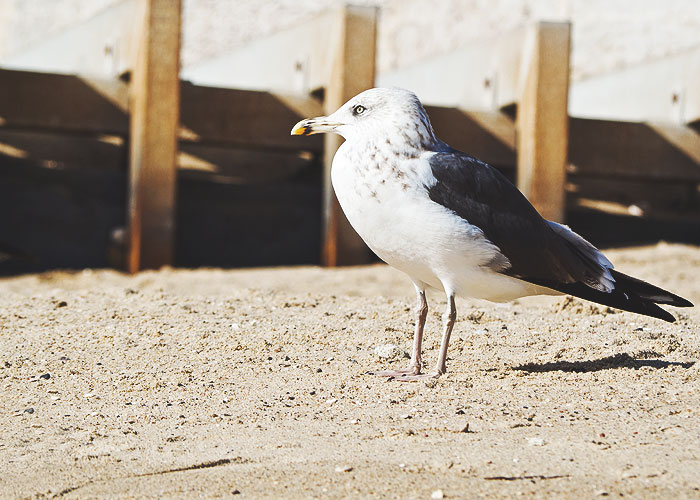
<point x="155" y="104"/>
<point x="352" y="71"/>
<point x="542" y="119"/>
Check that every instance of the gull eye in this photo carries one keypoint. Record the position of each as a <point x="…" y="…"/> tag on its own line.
<point x="358" y="109"/>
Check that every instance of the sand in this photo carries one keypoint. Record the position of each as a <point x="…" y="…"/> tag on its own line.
<point x="254" y="384"/>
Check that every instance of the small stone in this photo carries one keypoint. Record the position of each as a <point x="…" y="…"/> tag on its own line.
<point x="235" y="492"/>
<point x="343" y="468"/>
<point x="45" y="376"/>
<point x="535" y="441"/>
<point x="62" y="303"/>
<point x="29" y="410"/>
<point x="437" y="495"/>
<point x="389" y="351"/>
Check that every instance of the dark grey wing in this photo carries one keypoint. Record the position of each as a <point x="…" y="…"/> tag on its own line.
<point x="482" y="196"/>
<point x="539" y="251"/>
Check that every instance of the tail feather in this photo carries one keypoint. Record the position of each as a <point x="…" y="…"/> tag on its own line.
<point x="618" y="298"/>
<point x="630" y="294"/>
<point x="604" y="285"/>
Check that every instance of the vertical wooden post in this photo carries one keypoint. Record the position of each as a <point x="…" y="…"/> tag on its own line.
<point x="542" y="121"/>
<point x="154" y="108"/>
<point x="352" y="71"/>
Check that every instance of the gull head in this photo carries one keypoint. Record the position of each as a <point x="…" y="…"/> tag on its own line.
<point x="390" y="115"/>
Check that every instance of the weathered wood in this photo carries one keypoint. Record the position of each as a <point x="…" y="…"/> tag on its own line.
<point x="64" y="151"/>
<point x="69" y="103"/>
<point x="155" y="104"/>
<point x="542" y="120"/>
<point x="47" y="101"/>
<point x="352" y="71"/>
<point x="245" y="118"/>
<point x="490" y="136"/>
<point x="609" y="149"/>
<point x="244" y="166"/>
<point x="635" y="197"/>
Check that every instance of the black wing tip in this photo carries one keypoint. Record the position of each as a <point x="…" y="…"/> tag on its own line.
<point x="625" y="301"/>
<point x="681" y="302"/>
<point x="647" y="291"/>
<point x="657" y="312"/>
<point x="669" y="299"/>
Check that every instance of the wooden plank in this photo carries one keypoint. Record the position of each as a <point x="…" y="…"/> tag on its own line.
<point x="245" y="118"/>
<point x="352" y="71"/>
<point x="635" y="197"/>
<point x="623" y="150"/>
<point x="60" y="151"/>
<point x="542" y="119"/>
<point x="244" y="166"/>
<point x="63" y="102"/>
<point x="153" y="137"/>
<point x="69" y="103"/>
<point x="488" y="135"/>
<point x="99" y="46"/>
<point x="234" y="165"/>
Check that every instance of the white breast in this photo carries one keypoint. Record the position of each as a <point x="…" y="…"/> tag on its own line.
<point x="410" y="232"/>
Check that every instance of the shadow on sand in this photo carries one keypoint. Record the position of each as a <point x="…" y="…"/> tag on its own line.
<point x="622" y="360"/>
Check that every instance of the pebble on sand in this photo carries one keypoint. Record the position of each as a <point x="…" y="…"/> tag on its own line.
<point x="389" y="351"/>
<point x="437" y="494"/>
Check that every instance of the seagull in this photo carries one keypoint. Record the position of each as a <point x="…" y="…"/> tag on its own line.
<point x="456" y="224"/>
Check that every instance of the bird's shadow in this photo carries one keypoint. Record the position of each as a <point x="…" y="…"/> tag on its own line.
<point x="622" y="360"/>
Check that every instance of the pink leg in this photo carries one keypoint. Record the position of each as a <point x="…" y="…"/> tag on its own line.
<point x="441" y="366"/>
<point x="421" y="314"/>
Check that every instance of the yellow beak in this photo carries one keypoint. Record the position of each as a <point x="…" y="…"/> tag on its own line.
<point x="317" y="125"/>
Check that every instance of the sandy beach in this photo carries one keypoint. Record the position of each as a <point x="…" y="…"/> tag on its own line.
<point x="253" y="384"/>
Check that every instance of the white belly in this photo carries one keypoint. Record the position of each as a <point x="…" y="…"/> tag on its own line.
<point x="425" y="240"/>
